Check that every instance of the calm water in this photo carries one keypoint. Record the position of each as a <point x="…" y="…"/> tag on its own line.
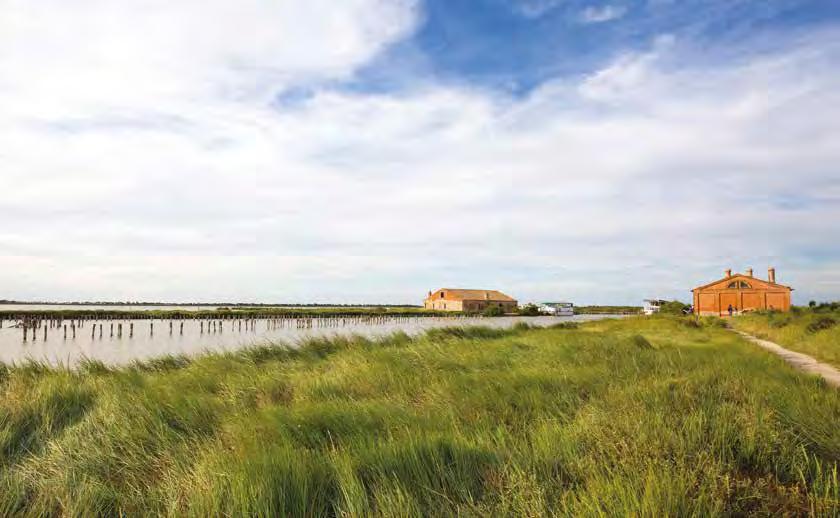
<point x="111" y="307"/>
<point x="153" y="338"/>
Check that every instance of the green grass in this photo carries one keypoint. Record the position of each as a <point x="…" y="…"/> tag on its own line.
<point x="608" y="310"/>
<point x="645" y="417"/>
<point x="815" y="333"/>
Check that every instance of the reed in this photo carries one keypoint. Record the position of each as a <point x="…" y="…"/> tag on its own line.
<point x="645" y="417"/>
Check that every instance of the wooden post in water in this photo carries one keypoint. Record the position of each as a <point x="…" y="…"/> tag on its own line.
<point x="65" y="331"/>
<point x="73" y="329"/>
<point x="119" y="330"/>
<point x="100" y="331"/>
<point x="45" y="333"/>
<point x="151" y="329"/>
<point x="182" y="328"/>
<point x="131" y="329"/>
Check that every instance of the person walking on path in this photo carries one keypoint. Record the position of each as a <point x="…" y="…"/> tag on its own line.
<point x="731" y="310"/>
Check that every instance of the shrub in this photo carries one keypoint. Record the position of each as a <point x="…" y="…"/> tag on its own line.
<point x="821" y="324"/>
<point x="673" y="307"/>
<point x="493" y="311"/>
<point x="779" y="323"/>
<point x="529" y="310"/>
<point x="714" y="322"/>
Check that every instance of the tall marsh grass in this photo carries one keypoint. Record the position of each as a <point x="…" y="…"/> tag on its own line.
<point x="646" y="417"/>
<point x="810" y="331"/>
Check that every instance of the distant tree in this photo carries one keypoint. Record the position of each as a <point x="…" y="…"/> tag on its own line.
<point x="673" y="307"/>
<point x="812" y="304"/>
<point x="530" y="310"/>
<point x="493" y="311"/>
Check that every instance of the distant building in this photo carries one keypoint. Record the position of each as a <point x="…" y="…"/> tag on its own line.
<point x="560" y="309"/>
<point x="652" y="306"/>
<point x="743" y="292"/>
<point x="453" y="299"/>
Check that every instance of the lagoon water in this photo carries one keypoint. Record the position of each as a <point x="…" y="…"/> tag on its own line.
<point x="109" y="307"/>
<point x="152" y="338"/>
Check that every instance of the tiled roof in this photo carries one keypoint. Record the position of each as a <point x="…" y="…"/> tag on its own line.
<point x="460" y="294"/>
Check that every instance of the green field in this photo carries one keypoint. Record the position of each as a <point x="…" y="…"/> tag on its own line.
<point x="646" y="417"/>
<point x="813" y="332"/>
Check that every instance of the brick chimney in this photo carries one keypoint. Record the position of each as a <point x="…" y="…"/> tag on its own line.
<point x="728" y="272"/>
<point x="749" y="272"/>
<point x="771" y="275"/>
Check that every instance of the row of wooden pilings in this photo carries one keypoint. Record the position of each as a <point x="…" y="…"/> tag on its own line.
<point x="33" y="326"/>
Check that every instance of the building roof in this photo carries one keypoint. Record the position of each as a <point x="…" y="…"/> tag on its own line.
<point x="462" y="294"/>
<point x="741" y="276"/>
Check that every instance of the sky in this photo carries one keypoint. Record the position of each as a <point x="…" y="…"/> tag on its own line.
<point x="368" y="151"/>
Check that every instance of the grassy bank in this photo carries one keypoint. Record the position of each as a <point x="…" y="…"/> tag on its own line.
<point x="638" y="416"/>
<point x="608" y="310"/>
<point x="813" y="332"/>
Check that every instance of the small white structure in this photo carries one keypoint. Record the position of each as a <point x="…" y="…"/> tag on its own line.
<point x="652" y="306"/>
<point x="559" y="309"/>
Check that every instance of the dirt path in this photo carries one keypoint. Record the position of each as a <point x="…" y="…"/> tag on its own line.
<point x="800" y="361"/>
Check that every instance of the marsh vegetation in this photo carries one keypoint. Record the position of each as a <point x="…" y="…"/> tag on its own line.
<point x="814" y="331"/>
<point x="658" y="416"/>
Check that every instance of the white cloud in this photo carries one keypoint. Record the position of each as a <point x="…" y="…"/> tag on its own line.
<point x="77" y="58"/>
<point x="171" y="173"/>
<point x="536" y="8"/>
<point x="606" y="13"/>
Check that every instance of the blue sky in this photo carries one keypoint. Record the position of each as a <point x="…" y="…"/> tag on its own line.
<point x="371" y="150"/>
<point x="515" y="45"/>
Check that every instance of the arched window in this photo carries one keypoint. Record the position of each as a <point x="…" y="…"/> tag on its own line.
<point x="734" y="285"/>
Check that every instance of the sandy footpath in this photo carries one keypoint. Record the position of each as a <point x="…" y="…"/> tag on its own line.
<point x="801" y="361"/>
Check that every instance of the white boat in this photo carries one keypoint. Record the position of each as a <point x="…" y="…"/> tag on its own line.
<point x="559" y="309"/>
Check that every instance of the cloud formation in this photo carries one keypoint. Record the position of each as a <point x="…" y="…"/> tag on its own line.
<point x="536" y="8"/>
<point x="606" y="13"/>
<point x="148" y="153"/>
